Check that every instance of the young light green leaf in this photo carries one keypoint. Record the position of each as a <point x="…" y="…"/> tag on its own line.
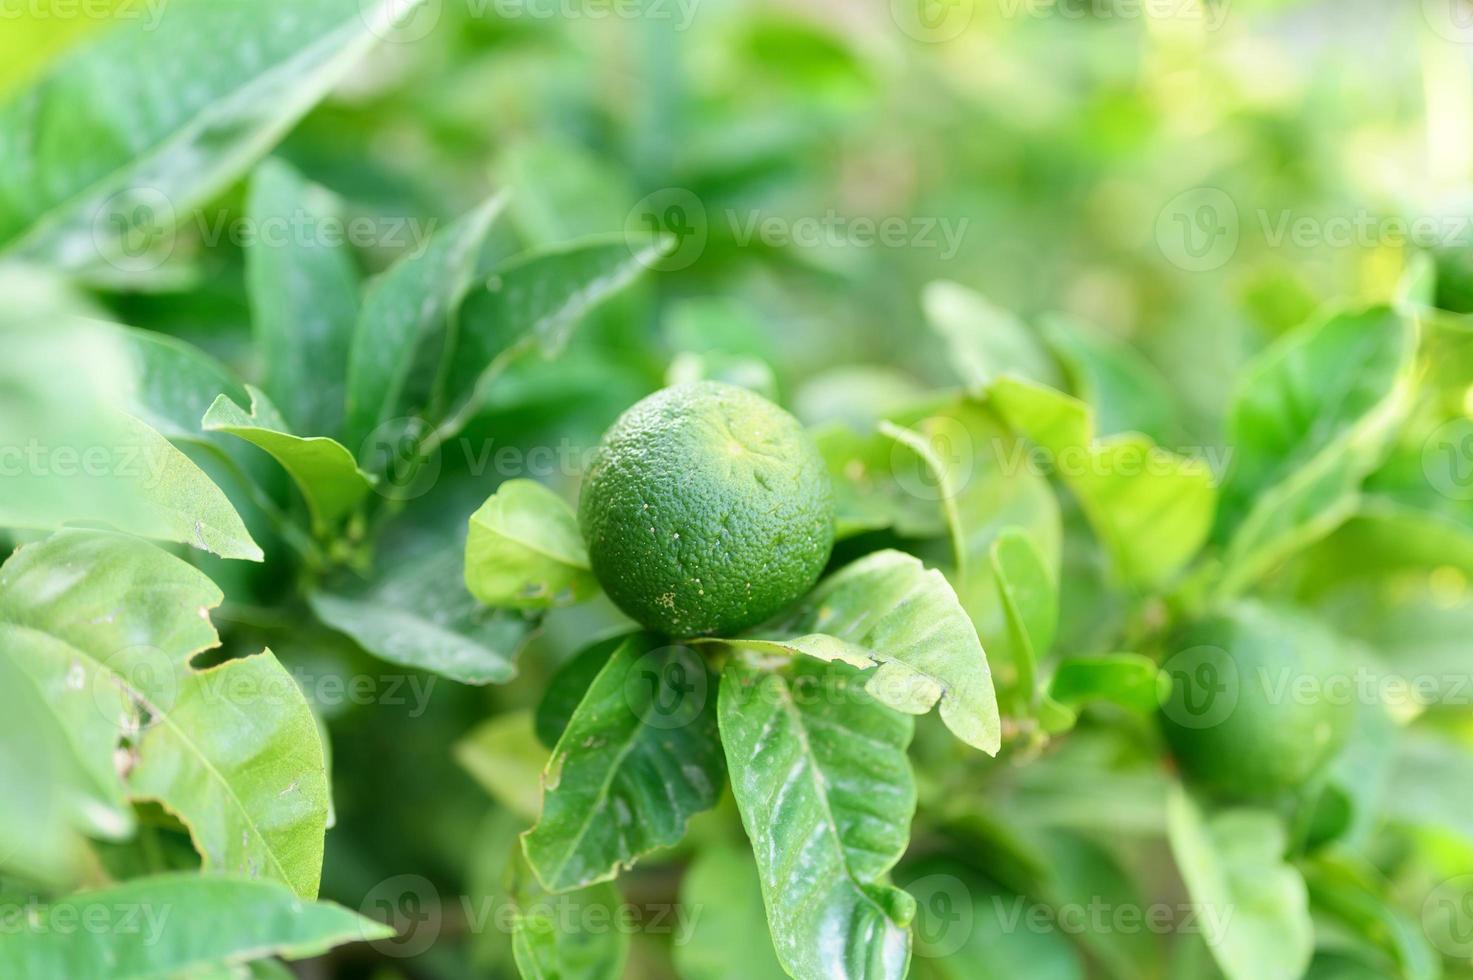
<point x="535" y="301"/>
<point x="985" y="341"/>
<point x="405" y="333"/>
<point x="104" y="159"/>
<point x="171" y="924"/>
<point x="889" y="611"/>
<point x="1152" y="509"/>
<point x="1314" y="415"/>
<point x="825" y="791"/>
<point x="322" y="468"/>
<point x="723" y="896"/>
<point x="504" y="756"/>
<point x="524" y="550"/>
<point x="1030" y="600"/>
<point x="303" y="289"/>
<point x="639" y="758"/>
<point x="416" y="612"/>
<point x="1233" y="867"/>
<point x="106" y="625"/>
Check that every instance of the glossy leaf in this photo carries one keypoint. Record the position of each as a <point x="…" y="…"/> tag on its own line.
<point x="322" y="468"/>
<point x="567" y="687"/>
<point x="535" y="301"/>
<point x="1151" y="508"/>
<point x="405" y="332"/>
<point x="1233" y="866"/>
<point x="825" y="791"/>
<point x="303" y="289"/>
<point x="525" y="551"/>
<point x="416" y="612"/>
<point x="868" y="495"/>
<point x="95" y="144"/>
<point x="889" y="611"/>
<point x="171" y="924"/>
<point x="985" y="342"/>
<point x="639" y="758"/>
<point x="566" y="937"/>
<point x="106" y="626"/>
<point x="1313" y="416"/>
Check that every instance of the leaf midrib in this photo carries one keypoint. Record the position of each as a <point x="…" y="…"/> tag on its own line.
<point x="183" y="738"/>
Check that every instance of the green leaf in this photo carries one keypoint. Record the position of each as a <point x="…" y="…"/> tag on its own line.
<point x="505" y="758"/>
<point x="405" y="333"/>
<point x="417" y="613"/>
<point x="322" y="469"/>
<point x="566" y="937"/>
<point x="1314" y="415"/>
<point x="825" y="791"/>
<point x="567" y="687"/>
<point x="985" y="341"/>
<point x="639" y="758"/>
<point x="1233" y="867"/>
<point x="83" y="459"/>
<point x="535" y="301"/>
<point x="303" y="289"/>
<point x="1030" y="600"/>
<point x="165" y="925"/>
<point x="868" y="495"/>
<point x="1354" y="899"/>
<point x="1127" y="679"/>
<point x="106" y="625"/>
<point x="887" y="610"/>
<point x="173" y="383"/>
<point x="98" y="146"/>
<point x="1126" y="392"/>
<point x="1151" y="508"/>
<point x="524" y="550"/>
<point x="968" y="929"/>
<point x="723" y="895"/>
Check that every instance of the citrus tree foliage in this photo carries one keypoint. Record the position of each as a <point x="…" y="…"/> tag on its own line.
<point x="1141" y="651"/>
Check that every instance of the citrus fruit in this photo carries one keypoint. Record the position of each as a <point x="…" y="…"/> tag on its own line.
<point x="1254" y="709"/>
<point x="706" y="510"/>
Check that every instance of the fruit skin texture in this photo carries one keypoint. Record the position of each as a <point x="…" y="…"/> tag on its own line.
<point x="706" y="510"/>
<point x="1282" y="727"/>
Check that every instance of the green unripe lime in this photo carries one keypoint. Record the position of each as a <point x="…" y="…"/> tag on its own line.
<point x="706" y="510"/>
<point x="1254" y="708"/>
